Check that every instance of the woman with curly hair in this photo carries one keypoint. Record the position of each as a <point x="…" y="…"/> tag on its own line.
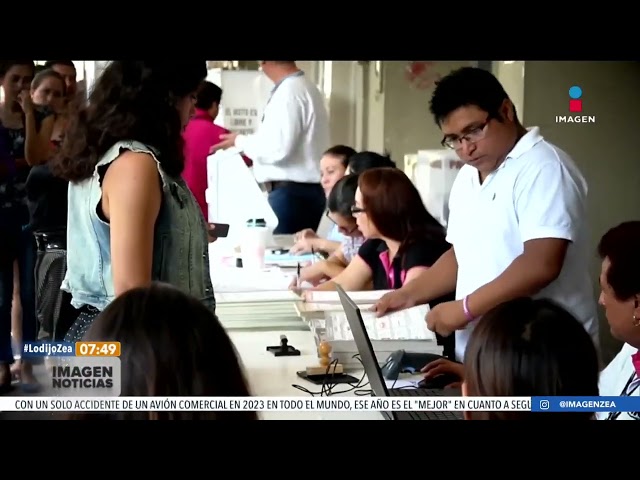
<point x="131" y="217"/>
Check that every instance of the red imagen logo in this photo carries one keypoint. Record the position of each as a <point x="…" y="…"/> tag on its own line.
<point x="575" y="94"/>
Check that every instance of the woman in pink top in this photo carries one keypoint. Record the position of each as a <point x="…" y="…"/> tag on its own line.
<point x="199" y="135"/>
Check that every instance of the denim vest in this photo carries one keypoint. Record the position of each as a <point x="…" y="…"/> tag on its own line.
<point x="180" y="243"/>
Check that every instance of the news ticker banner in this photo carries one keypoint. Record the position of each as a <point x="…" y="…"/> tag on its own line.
<point x="93" y="369"/>
<point x="79" y="369"/>
<point x="326" y="404"/>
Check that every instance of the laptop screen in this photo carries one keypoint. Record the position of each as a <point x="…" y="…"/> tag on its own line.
<point x="363" y="343"/>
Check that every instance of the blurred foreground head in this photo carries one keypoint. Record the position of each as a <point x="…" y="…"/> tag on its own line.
<point x="171" y="345"/>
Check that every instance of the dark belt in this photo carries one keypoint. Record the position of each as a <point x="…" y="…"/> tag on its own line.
<point x="271" y="186"/>
<point x="51" y="240"/>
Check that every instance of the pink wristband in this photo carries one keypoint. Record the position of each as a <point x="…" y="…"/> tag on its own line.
<point x="465" y="307"/>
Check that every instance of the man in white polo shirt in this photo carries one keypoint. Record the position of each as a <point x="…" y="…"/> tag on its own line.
<point x="287" y="147"/>
<point x="517" y="221"/>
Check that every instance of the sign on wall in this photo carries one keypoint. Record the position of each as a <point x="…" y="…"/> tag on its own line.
<point x="244" y="95"/>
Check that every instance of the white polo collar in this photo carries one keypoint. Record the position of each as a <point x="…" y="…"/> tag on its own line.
<point x="526" y="143"/>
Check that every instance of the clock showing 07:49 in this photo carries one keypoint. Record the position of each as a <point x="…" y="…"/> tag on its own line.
<point x="97" y="349"/>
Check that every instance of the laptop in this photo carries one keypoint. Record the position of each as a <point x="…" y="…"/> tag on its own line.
<point x="374" y="373"/>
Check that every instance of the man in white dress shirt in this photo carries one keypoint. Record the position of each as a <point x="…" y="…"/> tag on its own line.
<point x="287" y="147"/>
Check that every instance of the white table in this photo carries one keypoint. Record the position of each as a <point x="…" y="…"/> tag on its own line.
<point x="268" y="375"/>
<point x="272" y="376"/>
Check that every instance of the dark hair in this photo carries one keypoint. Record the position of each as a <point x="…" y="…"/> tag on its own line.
<point x="361" y="161"/>
<point x="5" y="65"/>
<point x="171" y="345"/>
<point x="621" y="245"/>
<point x="394" y="205"/>
<point x="342" y="152"/>
<point x="48" y="73"/>
<point x="464" y="87"/>
<point x="131" y="100"/>
<point x="342" y="196"/>
<point x="525" y="348"/>
<point x="53" y="63"/>
<point x="208" y="94"/>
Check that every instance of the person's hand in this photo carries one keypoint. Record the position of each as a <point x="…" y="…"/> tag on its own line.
<point x="443" y="366"/>
<point x="228" y="141"/>
<point x="304" y="245"/>
<point x="446" y="318"/>
<point x="306" y="233"/>
<point x="314" y="273"/>
<point x="209" y="234"/>
<point x="293" y="286"/>
<point x="302" y="292"/>
<point x="396" y="300"/>
<point x="25" y="102"/>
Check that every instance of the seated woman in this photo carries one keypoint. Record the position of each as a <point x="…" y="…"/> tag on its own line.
<point x="172" y="346"/>
<point x="361" y="161"/>
<point x="526" y="348"/>
<point x="333" y="165"/>
<point x="339" y="205"/>
<point x="403" y="238"/>
<point x="620" y="297"/>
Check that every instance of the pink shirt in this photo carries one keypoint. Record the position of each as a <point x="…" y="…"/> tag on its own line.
<point x="199" y="136"/>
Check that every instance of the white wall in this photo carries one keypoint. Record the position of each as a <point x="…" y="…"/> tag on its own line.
<point x="607" y="151"/>
<point x="511" y="74"/>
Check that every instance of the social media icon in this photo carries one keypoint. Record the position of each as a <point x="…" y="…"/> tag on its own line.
<point x="544" y="404"/>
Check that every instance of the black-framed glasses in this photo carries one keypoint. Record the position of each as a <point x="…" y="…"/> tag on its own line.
<point x="471" y="136"/>
<point x="342" y="229"/>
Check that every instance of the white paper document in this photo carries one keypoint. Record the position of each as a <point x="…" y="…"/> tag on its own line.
<point x="234" y="196"/>
<point x="254" y="297"/>
<point x="406" y="324"/>
<point x="331" y="307"/>
<point x="362" y="297"/>
<point x="257" y="297"/>
<point x="230" y="279"/>
<point x="403" y="384"/>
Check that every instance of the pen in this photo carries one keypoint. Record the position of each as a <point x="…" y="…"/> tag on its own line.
<point x="298" y="275"/>
<point x="313" y="255"/>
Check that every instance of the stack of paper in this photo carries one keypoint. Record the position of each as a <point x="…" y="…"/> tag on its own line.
<point x="403" y="325"/>
<point x="319" y="302"/>
<point x="288" y="259"/>
<point x="275" y="316"/>
<point x="274" y="296"/>
<point x="262" y="310"/>
<point x="231" y="279"/>
<point x="365" y="297"/>
<point x="255" y="300"/>
<point x="402" y="330"/>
